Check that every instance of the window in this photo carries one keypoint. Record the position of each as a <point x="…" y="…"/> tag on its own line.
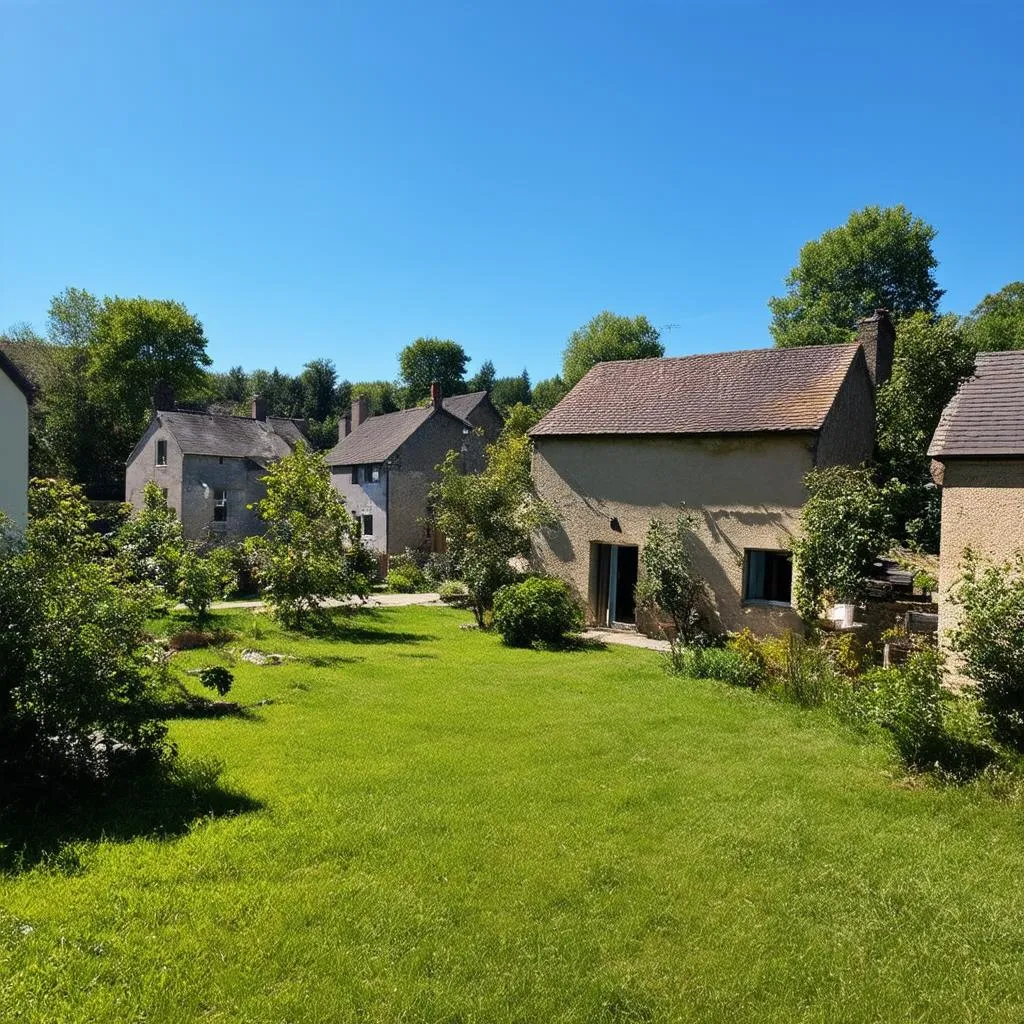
<point x="161" y="453"/>
<point x="366" y="474"/>
<point x="355" y="474"/>
<point x="220" y="506"/>
<point x="367" y="526"/>
<point x="374" y="473"/>
<point x="768" y="576"/>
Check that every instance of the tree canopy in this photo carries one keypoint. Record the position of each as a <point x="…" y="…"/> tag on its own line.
<point x="606" y="337"/>
<point x="430" y="359"/>
<point x="996" y="324"/>
<point x="880" y="258"/>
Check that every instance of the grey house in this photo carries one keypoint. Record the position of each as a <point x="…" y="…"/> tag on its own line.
<point x="383" y="466"/>
<point x="209" y="466"/>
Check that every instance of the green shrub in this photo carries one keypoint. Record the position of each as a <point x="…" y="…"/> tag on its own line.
<point x="406" y="569"/>
<point x="792" y="668"/>
<point x="719" y="663"/>
<point x="439" y="569"/>
<point x="538" y="610"/>
<point x="201" y="581"/>
<point x="454" y="592"/>
<point x="990" y="638"/>
<point x="398" y="583"/>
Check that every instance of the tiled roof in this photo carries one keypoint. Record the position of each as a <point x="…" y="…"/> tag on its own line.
<point x="379" y="437"/>
<point x="463" y="405"/>
<point x="986" y="416"/>
<point x="20" y="381"/>
<point x="753" y="391"/>
<point x="231" y="436"/>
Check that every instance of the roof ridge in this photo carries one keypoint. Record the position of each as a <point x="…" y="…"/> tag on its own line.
<point x="728" y="352"/>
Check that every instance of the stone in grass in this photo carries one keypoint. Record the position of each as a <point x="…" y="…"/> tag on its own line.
<point x="255" y="657"/>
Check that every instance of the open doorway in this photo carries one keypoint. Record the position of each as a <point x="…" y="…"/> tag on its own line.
<point x="614" y="569"/>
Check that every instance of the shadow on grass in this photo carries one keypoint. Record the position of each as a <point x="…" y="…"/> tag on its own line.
<point x="156" y="804"/>
<point x="204" y="707"/>
<point x="358" y="626"/>
<point x="330" y="660"/>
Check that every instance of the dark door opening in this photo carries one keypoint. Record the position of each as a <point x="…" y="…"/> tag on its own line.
<point x="613" y="589"/>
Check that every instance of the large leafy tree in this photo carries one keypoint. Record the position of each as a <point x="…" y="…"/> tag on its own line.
<point x="606" y="337"/>
<point x="430" y="359"/>
<point x="548" y="393"/>
<point x="510" y="391"/>
<point x="383" y="395"/>
<point x="484" y="378"/>
<point x="488" y="518"/>
<point x="311" y="550"/>
<point x="932" y="356"/>
<point x="996" y="324"/>
<point x="880" y="258"/>
<point x="319" y="380"/>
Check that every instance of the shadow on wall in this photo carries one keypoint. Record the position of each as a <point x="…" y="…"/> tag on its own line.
<point x="156" y="804"/>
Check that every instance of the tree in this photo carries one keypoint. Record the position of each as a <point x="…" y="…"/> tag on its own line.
<point x="149" y="544"/>
<point x="483" y="379"/>
<point x="76" y="681"/>
<point x="311" y="550"/>
<point x="319" y="381"/>
<point x="988" y="639"/>
<point x="430" y="359"/>
<point x="932" y="356"/>
<point x="880" y="258"/>
<point x="996" y="324"/>
<point x="510" y="391"/>
<point x="548" y="393"/>
<point x="488" y="518"/>
<point x="606" y="337"/>
<point x="383" y="395"/>
<point x="844" y="525"/>
<point x="669" y="582"/>
<point x="72" y="317"/>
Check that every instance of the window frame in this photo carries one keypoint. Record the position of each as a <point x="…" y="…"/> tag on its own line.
<point x="161" y="451"/>
<point x="362" y="524"/>
<point x="766" y="601"/>
<point x="220" y="504"/>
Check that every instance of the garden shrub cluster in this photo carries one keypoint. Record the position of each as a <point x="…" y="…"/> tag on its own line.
<point x="405" y="574"/>
<point x="538" y="610"/>
<point x="455" y="593"/>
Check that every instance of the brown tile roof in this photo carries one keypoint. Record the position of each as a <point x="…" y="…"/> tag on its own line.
<point x="753" y="391"/>
<point x="231" y="436"/>
<point x="986" y="416"/>
<point x="379" y="437"/>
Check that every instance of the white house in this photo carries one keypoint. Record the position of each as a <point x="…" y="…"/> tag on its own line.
<point x="15" y="397"/>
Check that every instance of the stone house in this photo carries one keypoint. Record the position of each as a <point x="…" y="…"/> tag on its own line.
<point x="730" y="436"/>
<point x="384" y="466"/>
<point x="16" y="395"/>
<point x="209" y="466"/>
<point x="978" y="460"/>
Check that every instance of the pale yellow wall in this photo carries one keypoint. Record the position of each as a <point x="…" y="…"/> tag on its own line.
<point x="13" y="452"/>
<point x="983" y="509"/>
<point x="747" y="492"/>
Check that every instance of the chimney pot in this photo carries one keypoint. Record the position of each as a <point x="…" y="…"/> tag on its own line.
<point x="436" y="397"/>
<point x="360" y="411"/>
<point x="259" y="408"/>
<point x="344" y="426"/>
<point x="877" y="337"/>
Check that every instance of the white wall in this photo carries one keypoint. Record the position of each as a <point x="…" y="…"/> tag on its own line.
<point x="13" y="451"/>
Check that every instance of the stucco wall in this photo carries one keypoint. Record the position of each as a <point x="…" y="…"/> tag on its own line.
<point x="847" y="438"/>
<point x="365" y="499"/>
<point x="201" y="476"/>
<point x="143" y="468"/>
<point x="746" y="491"/>
<point x="13" y="452"/>
<point x="982" y="508"/>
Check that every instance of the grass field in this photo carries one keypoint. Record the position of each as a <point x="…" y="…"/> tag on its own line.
<point x="423" y="825"/>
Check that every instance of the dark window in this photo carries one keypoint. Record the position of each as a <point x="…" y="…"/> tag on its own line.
<point x="768" y="576"/>
<point x="367" y="526"/>
<point x="220" y="506"/>
<point x="161" y="453"/>
<point x="355" y="474"/>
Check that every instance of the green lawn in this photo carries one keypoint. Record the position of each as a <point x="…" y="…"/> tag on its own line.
<point x="431" y="827"/>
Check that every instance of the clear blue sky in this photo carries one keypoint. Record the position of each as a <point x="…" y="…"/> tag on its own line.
<point x="337" y="179"/>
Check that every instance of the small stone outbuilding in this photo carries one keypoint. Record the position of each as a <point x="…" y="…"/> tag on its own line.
<point x="731" y="436"/>
<point x="978" y="460"/>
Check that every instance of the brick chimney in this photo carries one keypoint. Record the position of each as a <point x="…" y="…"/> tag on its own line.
<point x="436" y="398"/>
<point x="877" y="337"/>
<point x="259" y="408"/>
<point x="163" y="397"/>
<point x="360" y="411"/>
<point x="344" y="426"/>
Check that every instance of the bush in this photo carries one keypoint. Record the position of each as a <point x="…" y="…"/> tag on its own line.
<point x="538" y="610"/>
<point x="149" y="543"/>
<point x="399" y="583"/>
<point x="989" y="639"/>
<point x="454" y="592"/>
<point x="201" y="581"/>
<point x="439" y="569"/>
<point x="727" y="666"/>
<point x="791" y="668"/>
<point x="406" y="571"/>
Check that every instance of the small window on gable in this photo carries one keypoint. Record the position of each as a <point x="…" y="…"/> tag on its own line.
<point x="355" y="474"/>
<point x="161" y="453"/>
<point x="367" y="526"/>
<point x="375" y="473"/>
<point x="768" y="576"/>
<point x="220" y="506"/>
